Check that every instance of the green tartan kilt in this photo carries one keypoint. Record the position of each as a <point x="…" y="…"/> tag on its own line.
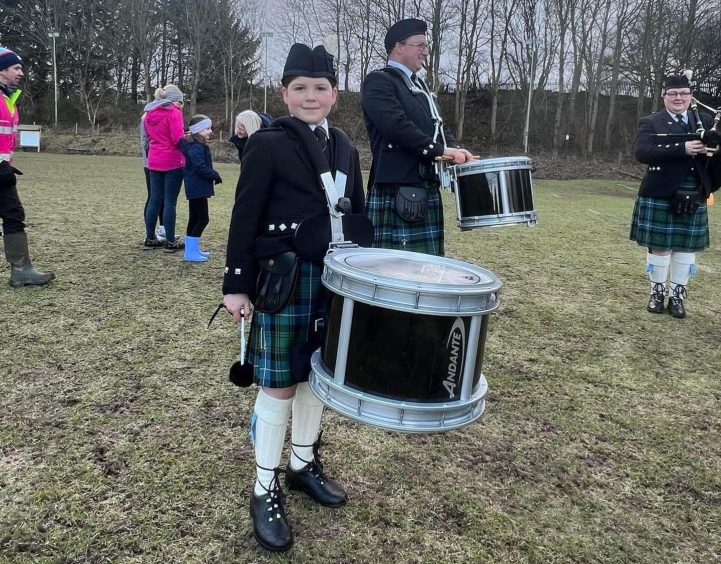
<point x="393" y="232"/>
<point x="272" y="335"/>
<point x="655" y="226"/>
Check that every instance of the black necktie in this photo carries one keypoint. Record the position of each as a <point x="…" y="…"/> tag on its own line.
<point x="322" y="138"/>
<point x="414" y="80"/>
<point x="680" y="121"/>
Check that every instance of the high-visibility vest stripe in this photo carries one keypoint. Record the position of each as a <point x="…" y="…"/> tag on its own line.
<point x="6" y="156"/>
<point x="7" y="130"/>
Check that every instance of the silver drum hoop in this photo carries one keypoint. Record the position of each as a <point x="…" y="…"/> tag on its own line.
<point x="402" y="416"/>
<point x="413" y="282"/>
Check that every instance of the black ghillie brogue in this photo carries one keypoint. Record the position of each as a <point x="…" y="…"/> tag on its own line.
<point x="675" y="302"/>
<point x="270" y="527"/>
<point x="655" y="302"/>
<point x="312" y="481"/>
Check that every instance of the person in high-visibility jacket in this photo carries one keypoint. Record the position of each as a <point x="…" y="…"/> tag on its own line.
<point x="11" y="209"/>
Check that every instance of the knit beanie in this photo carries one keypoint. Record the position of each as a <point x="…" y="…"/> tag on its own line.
<point x="8" y="58"/>
<point x="169" y="92"/>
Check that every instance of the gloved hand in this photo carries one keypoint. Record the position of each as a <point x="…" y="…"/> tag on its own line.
<point x="218" y="179"/>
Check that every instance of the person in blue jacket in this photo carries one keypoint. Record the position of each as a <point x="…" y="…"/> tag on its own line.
<point x="200" y="179"/>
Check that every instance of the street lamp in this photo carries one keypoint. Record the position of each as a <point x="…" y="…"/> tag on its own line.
<point x="53" y="35"/>
<point x="266" y="35"/>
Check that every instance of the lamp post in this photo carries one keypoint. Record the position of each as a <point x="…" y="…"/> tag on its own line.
<point x="53" y="35"/>
<point x="266" y="35"/>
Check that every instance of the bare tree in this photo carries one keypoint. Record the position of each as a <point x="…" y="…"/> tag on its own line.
<point x="595" y="53"/>
<point x="88" y="52"/>
<point x="235" y="48"/>
<point x="625" y="11"/>
<point x="199" y="25"/>
<point x="141" y="19"/>
<point x="502" y="13"/>
<point x="564" y="10"/>
<point x="470" y="25"/>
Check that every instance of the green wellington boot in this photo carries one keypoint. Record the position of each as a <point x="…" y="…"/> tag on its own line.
<point x="23" y="273"/>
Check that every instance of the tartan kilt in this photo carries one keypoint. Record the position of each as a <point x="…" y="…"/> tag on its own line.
<point x="272" y="335"/>
<point x="393" y="232"/>
<point x="655" y="226"/>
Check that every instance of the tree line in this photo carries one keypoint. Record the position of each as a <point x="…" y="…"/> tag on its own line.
<point x="110" y="53"/>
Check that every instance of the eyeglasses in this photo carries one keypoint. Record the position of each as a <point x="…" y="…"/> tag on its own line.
<point x="678" y="94"/>
<point x="421" y="46"/>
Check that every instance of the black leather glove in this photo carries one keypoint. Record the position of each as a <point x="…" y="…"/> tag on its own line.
<point x="218" y="179"/>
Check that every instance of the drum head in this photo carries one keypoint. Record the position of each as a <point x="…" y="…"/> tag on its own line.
<point x="410" y="281"/>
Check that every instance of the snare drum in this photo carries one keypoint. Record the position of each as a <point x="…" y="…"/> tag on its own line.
<point x="494" y="193"/>
<point x="405" y="338"/>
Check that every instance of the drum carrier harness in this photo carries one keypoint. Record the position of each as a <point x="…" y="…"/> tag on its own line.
<point x="422" y="89"/>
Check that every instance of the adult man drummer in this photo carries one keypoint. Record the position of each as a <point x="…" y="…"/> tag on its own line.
<point x="403" y="199"/>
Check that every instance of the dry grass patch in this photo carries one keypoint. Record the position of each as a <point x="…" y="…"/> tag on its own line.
<point x="121" y="439"/>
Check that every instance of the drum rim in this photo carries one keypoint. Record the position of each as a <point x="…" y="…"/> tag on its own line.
<point x="512" y="163"/>
<point x="319" y="377"/>
<point x="427" y="288"/>
<point x="533" y="214"/>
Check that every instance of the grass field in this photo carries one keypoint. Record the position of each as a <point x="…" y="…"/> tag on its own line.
<point x="121" y="439"/>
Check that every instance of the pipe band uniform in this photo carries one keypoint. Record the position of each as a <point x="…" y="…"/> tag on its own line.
<point x="670" y="217"/>
<point x="281" y="217"/>
<point x="406" y="135"/>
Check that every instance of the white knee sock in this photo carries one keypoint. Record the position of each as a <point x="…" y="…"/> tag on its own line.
<point x="683" y="267"/>
<point x="307" y="412"/>
<point x="657" y="268"/>
<point x="270" y="426"/>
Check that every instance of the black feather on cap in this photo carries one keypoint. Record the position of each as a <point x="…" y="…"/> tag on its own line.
<point x="676" y="81"/>
<point x="402" y="30"/>
<point x="302" y="61"/>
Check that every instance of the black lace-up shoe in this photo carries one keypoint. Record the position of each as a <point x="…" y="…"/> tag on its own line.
<point x="270" y="527"/>
<point x="675" y="307"/>
<point x="655" y="302"/>
<point x="312" y="480"/>
<point x="675" y="301"/>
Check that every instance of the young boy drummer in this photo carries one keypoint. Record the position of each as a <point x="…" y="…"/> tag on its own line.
<point x="280" y="187"/>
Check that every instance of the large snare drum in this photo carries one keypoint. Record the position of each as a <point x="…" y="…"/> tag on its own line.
<point x="494" y="192"/>
<point x="405" y="338"/>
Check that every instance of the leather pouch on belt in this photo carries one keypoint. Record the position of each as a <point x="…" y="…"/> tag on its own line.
<point x="412" y="203"/>
<point x="685" y="202"/>
<point x="277" y="277"/>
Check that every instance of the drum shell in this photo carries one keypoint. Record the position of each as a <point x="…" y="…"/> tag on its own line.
<point x="494" y="193"/>
<point x="404" y="356"/>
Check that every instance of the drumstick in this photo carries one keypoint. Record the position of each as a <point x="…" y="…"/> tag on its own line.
<point x="447" y="158"/>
